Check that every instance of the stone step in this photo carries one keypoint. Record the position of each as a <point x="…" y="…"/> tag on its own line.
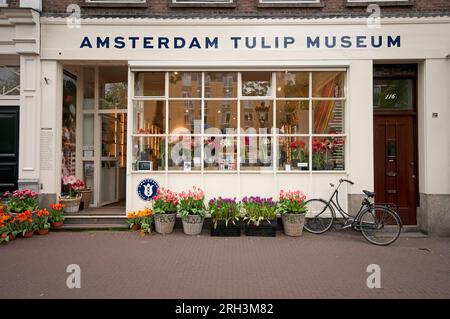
<point x="95" y="219"/>
<point x="85" y="226"/>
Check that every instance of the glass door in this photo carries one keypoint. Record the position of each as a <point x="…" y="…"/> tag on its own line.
<point x="109" y="160"/>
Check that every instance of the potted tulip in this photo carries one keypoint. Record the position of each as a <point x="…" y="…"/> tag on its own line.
<point x="72" y="200"/>
<point x="133" y="221"/>
<point x="260" y="215"/>
<point x="20" y="201"/>
<point x="165" y="210"/>
<point x="42" y="222"/>
<point x="225" y="214"/>
<point x="292" y="209"/>
<point x="7" y="229"/>
<point x="145" y="221"/>
<point x="192" y="210"/>
<point x="57" y="215"/>
<point x="25" y="223"/>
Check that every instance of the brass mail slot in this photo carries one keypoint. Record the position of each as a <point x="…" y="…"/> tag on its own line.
<point x="392" y="191"/>
<point x="391" y="174"/>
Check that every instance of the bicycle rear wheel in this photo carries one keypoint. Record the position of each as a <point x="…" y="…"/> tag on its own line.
<point x="319" y="216"/>
<point x="380" y="225"/>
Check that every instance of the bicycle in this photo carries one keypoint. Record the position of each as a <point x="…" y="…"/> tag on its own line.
<point x="377" y="222"/>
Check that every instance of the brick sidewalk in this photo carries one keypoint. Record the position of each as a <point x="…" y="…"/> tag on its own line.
<point x="123" y="265"/>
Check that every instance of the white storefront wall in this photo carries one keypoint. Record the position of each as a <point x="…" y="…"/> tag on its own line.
<point x="423" y="41"/>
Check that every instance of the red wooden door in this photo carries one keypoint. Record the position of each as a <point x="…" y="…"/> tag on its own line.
<point x="395" y="164"/>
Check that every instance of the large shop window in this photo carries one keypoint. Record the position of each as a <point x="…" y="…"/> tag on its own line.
<point x="239" y="121"/>
<point x="9" y="80"/>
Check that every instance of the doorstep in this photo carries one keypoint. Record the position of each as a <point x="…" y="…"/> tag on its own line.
<point x="80" y="221"/>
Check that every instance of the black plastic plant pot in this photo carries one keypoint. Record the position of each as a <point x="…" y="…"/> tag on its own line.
<point x="231" y="230"/>
<point x="264" y="229"/>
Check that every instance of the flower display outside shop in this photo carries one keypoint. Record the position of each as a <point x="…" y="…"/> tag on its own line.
<point x="322" y="152"/>
<point x="192" y="202"/>
<point x="142" y="219"/>
<point x="7" y="229"/>
<point x="25" y="223"/>
<point x="224" y="209"/>
<point x="258" y="209"/>
<point x="73" y="185"/>
<point x="291" y="202"/>
<point x="56" y="215"/>
<point x="165" y="201"/>
<point x="42" y="221"/>
<point x="21" y="200"/>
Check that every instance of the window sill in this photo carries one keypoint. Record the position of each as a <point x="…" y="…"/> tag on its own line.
<point x="114" y="5"/>
<point x="202" y="5"/>
<point x="409" y="3"/>
<point x="290" y="5"/>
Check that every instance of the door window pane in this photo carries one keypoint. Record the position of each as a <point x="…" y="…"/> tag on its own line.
<point x="293" y="117"/>
<point x="220" y="117"/>
<point x="220" y="153"/>
<point x="328" y="117"/>
<point x="148" y="153"/>
<point x="149" y="117"/>
<point x="393" y="94"/>
<point x="109" y="124"/>
<point x="185" y="117"/>
<point x="256" y="153"/>
<point x="113" y="87"/>
<point x="292" y="84"/>
<point x="220" y="84"/>
<point x="185" y="85"/>
<point x="185" y="153"/>
<point x="293" y="153"/>
<point x="88" y="135"/>
<point x="256" y="117"/>
<point x="256" y="83"/>
<point x="328" y="153"/>
<point x="88" y="176"/>
<point x="88" y="88"/>
<point x="328" y="84"/>
<point x="149" y="84"/>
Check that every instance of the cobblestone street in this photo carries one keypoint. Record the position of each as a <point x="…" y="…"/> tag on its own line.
<point x="124" y="265"/>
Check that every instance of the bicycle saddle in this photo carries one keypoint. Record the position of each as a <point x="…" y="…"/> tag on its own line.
<point x="369" y="194"/>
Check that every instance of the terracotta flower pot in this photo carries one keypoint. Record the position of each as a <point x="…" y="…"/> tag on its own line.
<point x="42" y="231"/>
<point x="28" y="234"/>
<point x="135" y="227"/>
<point x="57" y="224"/>
<point x="11" y="237"/>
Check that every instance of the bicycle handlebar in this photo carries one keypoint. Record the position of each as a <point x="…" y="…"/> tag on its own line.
<point x="347" y="181"/>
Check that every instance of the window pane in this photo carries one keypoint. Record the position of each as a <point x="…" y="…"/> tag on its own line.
<point x="149" y="117"/>
<point x="185" y="117"/>
<point x="293" y="117"/>
<point x="88" y="135"/>
<point x="256" y="83"/>
<point x="185" y="153"/>
<point x="220" y="153"/>
<point x="393" y="93"/>
<point x="149" y="84"/>
<point x="148" y="153"/>
<point x="256" y="117"/>
<point x="328" y="84"/>
<point x="220" y="117"/>
<point x="220" y="85"/>
<point x="88" y="176"/>
<point x="109" y="134"/>
<point x="292" y="84"/>
<point x="9" y="80"/>
<point x="256" y="153"/>
<point x="293" y="153"/>
<point x="113" y="87"/>
<point x="328" y="154"/>
<point x="328" y="117"/>
<point x="88" y="88"/>
<point x="185" y="84"/>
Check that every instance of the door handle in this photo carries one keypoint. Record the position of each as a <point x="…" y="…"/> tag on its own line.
<point x="414" y="176"/>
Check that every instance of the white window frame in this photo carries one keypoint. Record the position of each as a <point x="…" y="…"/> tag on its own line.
<point x="380" y="1"/>
<point x="115" y="1"/>
<point x="290" y="1"/>
<point x="3" y="3"/>
<point x="210" y="2"/>
<point x="273" y="135"/>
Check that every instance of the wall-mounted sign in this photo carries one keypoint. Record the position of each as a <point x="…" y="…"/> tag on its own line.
<point x="147" y="189"/>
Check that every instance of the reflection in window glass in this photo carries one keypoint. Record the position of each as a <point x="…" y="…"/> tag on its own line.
<point x="256" y="117"/>
<point x="148" y="153"/>
<point x="185" y="85"/>
<point x="149" y="117"/>
<point x="88" y="177"/>
<point x="293" y="84"/>
<point x="293" y="153"/>
<point x="113" y="87"/>
<point x="293" y="117"/>
<point x="220" y="153"/>
<point x="256" y="83"/>
<point x="185" y="117"/>
<point x="393" y="93"/>
<point x="328" y="84"/>
<point x="185" y="153"/>
<point x="149" y="84"/>
<point x="220" y="84"/>
<point x="328" y="153"/>
<point x="88" y="88"/>
<point x="328" y="117"/>
<point x="256" y="152"/>
<point x="9" y="80"/>
<point x="109" y="137"/>
<point x="88" y="135"/>
<point x="220" y="117"/>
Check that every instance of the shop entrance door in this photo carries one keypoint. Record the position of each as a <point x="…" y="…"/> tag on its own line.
<point x="395" y="139"/>
<point x="9" y="148"/>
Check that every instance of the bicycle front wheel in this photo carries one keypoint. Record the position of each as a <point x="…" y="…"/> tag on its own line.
<point x="380" y="225"/>
<point x="319" y="216"/>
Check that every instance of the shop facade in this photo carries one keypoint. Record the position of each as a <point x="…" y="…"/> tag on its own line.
<point x="245" y="107"/>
